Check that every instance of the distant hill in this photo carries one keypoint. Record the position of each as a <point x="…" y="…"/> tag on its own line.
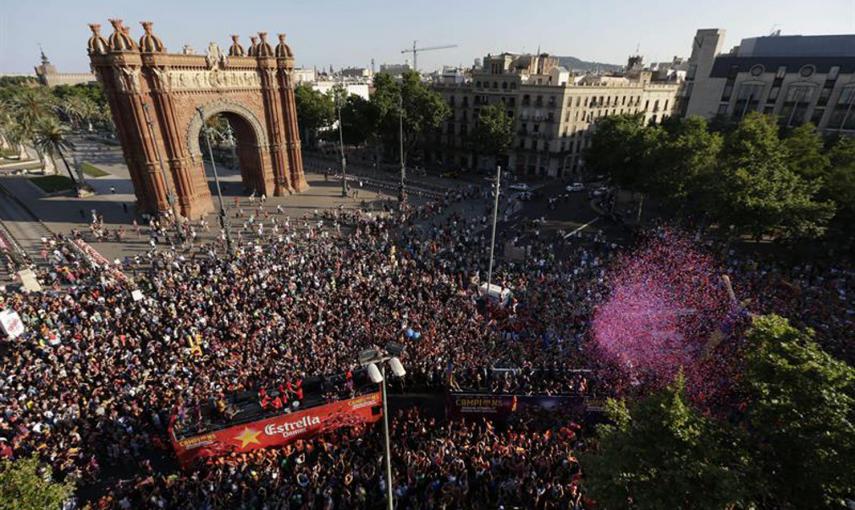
<point x="573" y="63"/>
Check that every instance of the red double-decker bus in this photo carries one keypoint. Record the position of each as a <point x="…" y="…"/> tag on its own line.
<point x="247" y="426"/>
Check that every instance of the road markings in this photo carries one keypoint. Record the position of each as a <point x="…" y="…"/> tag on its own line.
<point x="583" y="227"/>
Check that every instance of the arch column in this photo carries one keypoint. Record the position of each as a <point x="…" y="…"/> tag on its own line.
<point x="296" y="176"/>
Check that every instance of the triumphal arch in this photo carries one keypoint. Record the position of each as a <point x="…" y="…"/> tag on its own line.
<point x="159" y="102"/>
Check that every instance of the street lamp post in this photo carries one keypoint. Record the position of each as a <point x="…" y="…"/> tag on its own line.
<point x="222" y="215"/>
<point x="170" y="197"/>
<point x="341" y="145"/>
<point x="370" y="358"/>
<point x="402" y="194"/>
<point x="493" y="235"/>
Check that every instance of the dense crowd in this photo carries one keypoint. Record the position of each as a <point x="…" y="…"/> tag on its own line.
<point x="91" y="385"/>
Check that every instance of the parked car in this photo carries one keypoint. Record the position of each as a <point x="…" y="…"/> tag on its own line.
<point x="602" y="190"/>
<point x="576" y="186"/>
<point x="520" y="186"/>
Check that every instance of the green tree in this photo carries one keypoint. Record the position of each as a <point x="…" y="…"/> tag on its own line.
<point x="51" y="139"/>
<point x="628" y="151"/>
<point x="661" y="453"/>
<point x="839" y="187"/>
<point x="423" y="110"/>
<point x="615" y="149"/>
<point x="686" y="163"/>
<point x="494" y="132"/>
<point x="759" y="193"/>
<point x="359" y="119"/>
<point x="314" y="111"/>
<point x="801" y="418"/>
<point x="805" y="155"/>
<point x="26" y="486"/>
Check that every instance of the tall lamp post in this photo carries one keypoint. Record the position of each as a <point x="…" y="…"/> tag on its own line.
<point x="222" y="214"/>
<point x="402" y="193"/>
<point x="493" y="235"/>
<point x="370" y="358"/>
<point x="341" y="144"/>
<point x="170" y="196"/>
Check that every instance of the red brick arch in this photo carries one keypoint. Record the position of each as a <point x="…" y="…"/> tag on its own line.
<point x="145" y="83"/>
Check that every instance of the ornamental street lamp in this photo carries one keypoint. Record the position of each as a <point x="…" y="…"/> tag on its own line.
<point x="224" y="227"/>
<point x="402" y="193"/>
<point x="342" y="92"/>
<point x="493" y="235"/>
<point x="370" y="358"/>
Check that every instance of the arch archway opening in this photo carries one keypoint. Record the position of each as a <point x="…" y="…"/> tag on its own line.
<point x="237" y="154"/>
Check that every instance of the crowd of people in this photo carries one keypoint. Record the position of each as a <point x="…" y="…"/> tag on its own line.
<point x="91" y="385"/>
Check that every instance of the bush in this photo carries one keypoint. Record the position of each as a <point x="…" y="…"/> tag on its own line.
<point x="53" y="183"/>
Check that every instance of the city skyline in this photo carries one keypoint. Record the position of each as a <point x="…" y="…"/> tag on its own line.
<point x="320" y="31"/>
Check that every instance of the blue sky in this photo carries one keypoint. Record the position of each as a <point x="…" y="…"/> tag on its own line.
<point x="338" y="32"/>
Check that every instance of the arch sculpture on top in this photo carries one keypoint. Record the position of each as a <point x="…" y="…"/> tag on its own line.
<point x="253" y="89"/>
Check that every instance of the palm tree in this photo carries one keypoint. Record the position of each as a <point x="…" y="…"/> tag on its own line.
<point x="89" y="112"/>
<point x="72" y="108"/>
<point x="51" y="138"/>
<point x="32" y="104"/>
<point x="29" y="107"/>
<point x="6" y="123"/>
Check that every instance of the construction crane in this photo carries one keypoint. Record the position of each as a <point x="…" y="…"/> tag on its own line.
<point x="415" y="51"/>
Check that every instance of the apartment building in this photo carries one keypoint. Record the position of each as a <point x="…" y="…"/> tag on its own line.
<point x="796" y="78"/>
<point x="553" y="110"/>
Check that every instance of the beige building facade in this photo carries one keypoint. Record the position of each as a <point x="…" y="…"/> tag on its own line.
<point x="553" y="111"/>
<point x="798" y="79"/>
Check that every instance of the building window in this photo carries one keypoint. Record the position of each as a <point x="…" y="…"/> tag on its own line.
<point x="646" y="105"/>
<point x="722" y="109"/>
<point x="728" y="90"/>
<point x="782" y="71"/>
<point x="477" y="84"/>
<point x="747" y="99"/>
<point x="816" y="117"/>
<point x="504" y="85"/>
<point x="526" y="100"/>
<point x="833" y="72"/>
<point x="495" y="84"/>
<point x="538" y="101"/>
<point x="841" y="116"/>
<point x="796" y="103"/>
<point x="773" y="94"/>
<point x="757" y="69"/>
<point x="512" y="101"/>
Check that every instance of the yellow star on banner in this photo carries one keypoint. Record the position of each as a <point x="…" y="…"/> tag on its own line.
<point x="248" y="436"/>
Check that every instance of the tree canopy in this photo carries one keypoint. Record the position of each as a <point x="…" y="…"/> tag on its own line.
<point x="25" y="485"/>
<point x="495" y="130"/>
<point x="423" y="110"/>
<point x="801" y="418"/>
<point x="659" y="452"/>
<point x="751" y="178"/>
<point x="314" y="111"/>
<point x="788" y="443"/>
